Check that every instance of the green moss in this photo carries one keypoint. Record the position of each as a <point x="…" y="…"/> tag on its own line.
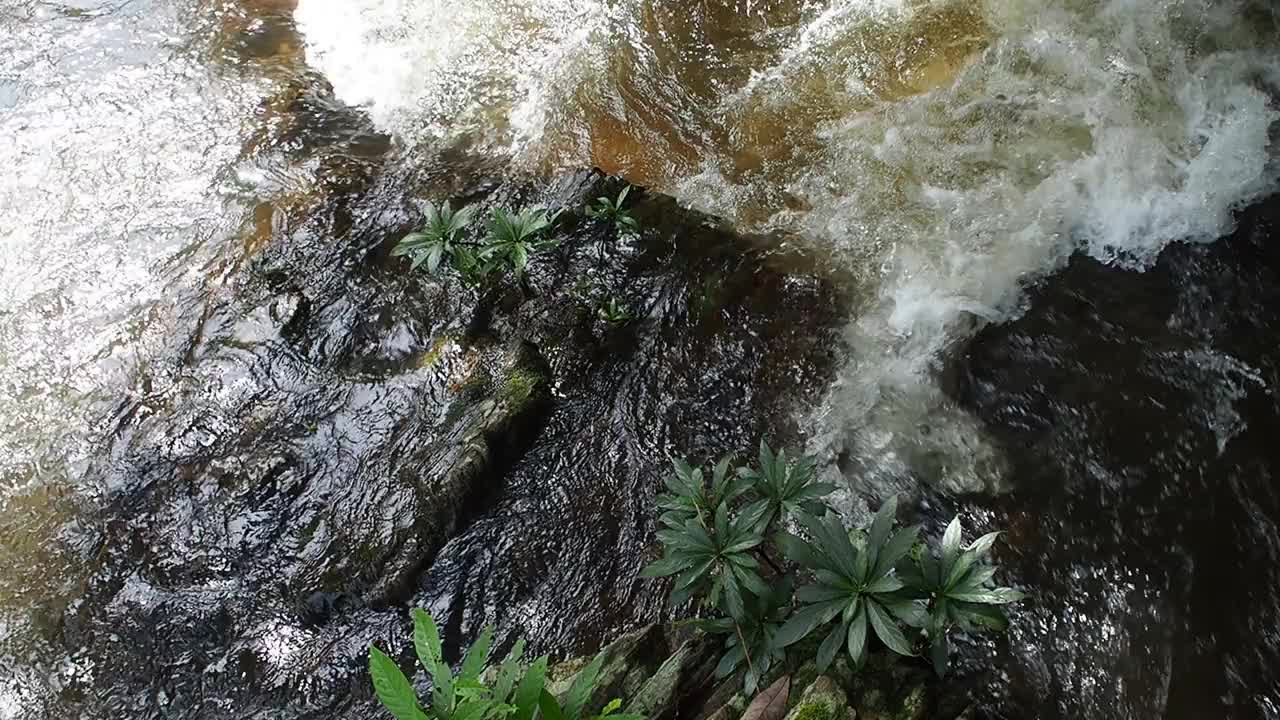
<point x="813" y="711"/>
<point x="431" y="357"/>
<point x="520" y="386"/>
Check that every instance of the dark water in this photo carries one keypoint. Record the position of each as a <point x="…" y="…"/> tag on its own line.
<point x="1141" y="416"/>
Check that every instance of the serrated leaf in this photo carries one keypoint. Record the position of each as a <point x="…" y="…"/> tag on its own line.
<point x="392" y="687"/>
<point x="473" y="663"/>
<point x="426" y="639"/>
<point x="880" y="528"/>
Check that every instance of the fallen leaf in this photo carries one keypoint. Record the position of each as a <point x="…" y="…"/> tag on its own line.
<point x="770" y="703"/>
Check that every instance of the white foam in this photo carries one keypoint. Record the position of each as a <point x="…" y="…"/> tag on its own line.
<point x="1114" y="128"/>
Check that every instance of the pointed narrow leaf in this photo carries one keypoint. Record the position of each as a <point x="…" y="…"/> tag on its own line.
<point x="938" y="654"/>
<point x="976" y="578"/>
<point x="426" y="639"/>
<point x="733" y="603"/>
<point x="986" y="616"/>
<point x="830" y="646"/>
<point x="665" y="567"/>
<point x="550" y="707"/>
<point x="729" y="662"/>
<point x="886" y="584"/>
<point x="752" y="582"/>
<point x="887" y="630"/>
<point x="392" y="687"/>
<point x="880" y="528"/>
<point x="983" y="544"/>
<point x="993" y="596"/>
<point x="473" y="663"/>
<point x="951" y="544"/>
<point x="821" y="593"/>
<point x="583" y="685"/>
<point x="857" y="636"/>
<point x="806" y="619"/>
<point x="895" y="549"/>
<point x="530" y="689"/>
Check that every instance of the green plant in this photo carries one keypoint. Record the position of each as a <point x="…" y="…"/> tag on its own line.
<point x="611" y="210"/>
<point x="511" y="691"/>
<point x="513" y="237"/>
<point x="473" y="267"/>
<point x="753" y="639"/>
<point x="878" y="581"/>
<point x="855" y="585"/>
<point x="789" y="486"/>
<point x="957" y="586"/>
<point x="575" y="700"/>
<point x="434" y="241"/>
<point x="614" y="312"/>
<point x="714" y="559"/>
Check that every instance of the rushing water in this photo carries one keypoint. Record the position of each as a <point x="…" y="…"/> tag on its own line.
<point x="935" y="157"/>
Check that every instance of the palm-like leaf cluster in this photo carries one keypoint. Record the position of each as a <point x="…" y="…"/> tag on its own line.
<point x="512" y="238"/>
<point x="434" y="241"/>
<point x="880" y="583"/>
<point x="957" y="584"/>
<point x="855" y="586"/>
<point x="612" y="210"/>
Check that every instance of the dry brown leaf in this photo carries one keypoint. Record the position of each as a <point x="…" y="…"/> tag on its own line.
<point x="770" y="703"/>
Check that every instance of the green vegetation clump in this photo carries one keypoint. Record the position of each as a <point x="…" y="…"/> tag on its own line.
<point x="722" y="537"/>
<point x="511" y="240"/>
<point x="511" y="691"/>
<point x="614" y="312"/>
<point x="612" y="210"/>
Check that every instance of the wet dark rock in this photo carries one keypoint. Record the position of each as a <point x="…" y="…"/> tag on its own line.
<point x="1140" y="412"/>
<point x="339" y="440"/>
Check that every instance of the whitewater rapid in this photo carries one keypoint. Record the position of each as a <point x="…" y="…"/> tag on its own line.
<point x="942" y="155"/>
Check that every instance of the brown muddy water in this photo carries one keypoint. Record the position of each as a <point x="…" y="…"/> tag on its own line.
<point x="994" y="265"/>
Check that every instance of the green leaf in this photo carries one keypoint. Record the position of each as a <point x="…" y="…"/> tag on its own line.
<point x="797" y="550"/>
<point x="857" y="636"/>
<point x="938" y="653"/>
<point x="665" y="567"/>
<point x="976" y="578"/>
<point x="392" y="687"/>
<point x="830" y="646"/>
<point x="505" y="681"/>
<point x="910" y="612"/>
<point x="752" y="582"/>
<point x="887" y="630"/>
<point x="951" y="544"/>
<point x="530" y="690"/>
<point x="733" y="597"/>
<point x="895" y="549"/>
<point x="986" y="616"/>
<point x="994" y="596"/>
<point x="880" y="528"/>
<point x="473" y="663"/>
<point x="583" y="685"/>
<point x="729" y="662"/>
<point x="426" y="639"/>
<point x="886" y="584"/>
<point x="550" y="707"/>
<point x="806" y="620"/>
<point x="982" y="545"/>
<point x="820" y="593"/>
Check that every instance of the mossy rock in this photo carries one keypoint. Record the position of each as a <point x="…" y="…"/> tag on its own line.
<point x="629" y="662"/>
<point x="824" y="699"/>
